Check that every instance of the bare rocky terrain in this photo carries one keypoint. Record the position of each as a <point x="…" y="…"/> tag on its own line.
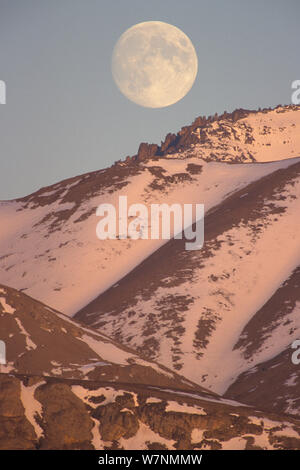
<point x="61" y="390"/>
<point x="53" y="413"/>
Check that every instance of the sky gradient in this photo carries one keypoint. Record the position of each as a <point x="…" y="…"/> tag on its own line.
<point x="64" y="114"/>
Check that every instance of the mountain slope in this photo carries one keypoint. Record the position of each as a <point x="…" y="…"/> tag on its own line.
<point x="191" y="308"/>
<point x="56" y="392"/>
<point x="46" y="236"/>
<point x="224" y="317"/>
<point x="273" y="384"/>
<point x="44" y="342"/>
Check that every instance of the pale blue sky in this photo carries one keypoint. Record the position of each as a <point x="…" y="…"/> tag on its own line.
<point x="64" y="115"/>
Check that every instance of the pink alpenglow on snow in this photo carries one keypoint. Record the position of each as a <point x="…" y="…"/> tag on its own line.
<point x="158" y="226"/>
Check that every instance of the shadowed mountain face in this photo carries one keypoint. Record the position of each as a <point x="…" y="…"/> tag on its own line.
<point x="275" y="383"/>
<point x="41" y="341"/>
<point x="162" y="339"/>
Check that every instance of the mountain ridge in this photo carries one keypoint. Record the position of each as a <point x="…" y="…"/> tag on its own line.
<point x="157" y="329"/>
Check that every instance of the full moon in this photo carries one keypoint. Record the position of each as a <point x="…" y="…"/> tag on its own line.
<point x="154" y="64"/>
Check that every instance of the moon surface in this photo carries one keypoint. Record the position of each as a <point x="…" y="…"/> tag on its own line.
<point x="154" y="64"/>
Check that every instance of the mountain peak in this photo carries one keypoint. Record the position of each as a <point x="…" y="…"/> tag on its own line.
<point x="239" y="130"/>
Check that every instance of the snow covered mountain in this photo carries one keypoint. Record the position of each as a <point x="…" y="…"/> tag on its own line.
<point x="223" y="317"/>
<point x="46" y="236"/>
<point x="205" y="313"/>
<point x="275" y="383"/>
<point x="242" y="136"/>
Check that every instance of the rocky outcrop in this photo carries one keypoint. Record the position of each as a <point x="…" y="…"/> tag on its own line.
<point x="186" y="137"/>
<point x="146" y="151"/>
<point x="197" y="133"/>
<point x="63" y="414"/>
<point x="15" y="430"/>
<point x="65" y="420"/>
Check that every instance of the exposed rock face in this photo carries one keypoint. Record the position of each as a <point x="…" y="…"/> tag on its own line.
<point x="146" y="151"/>
<point x="168" y="144"/>
<point x="117" y="420"/>
<point x="16" y="432"/>
<point x="65" y="415"/>
<point x="203" y="129"/>
<point x="187" y="136"/>
<point x="65" y="421"/>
